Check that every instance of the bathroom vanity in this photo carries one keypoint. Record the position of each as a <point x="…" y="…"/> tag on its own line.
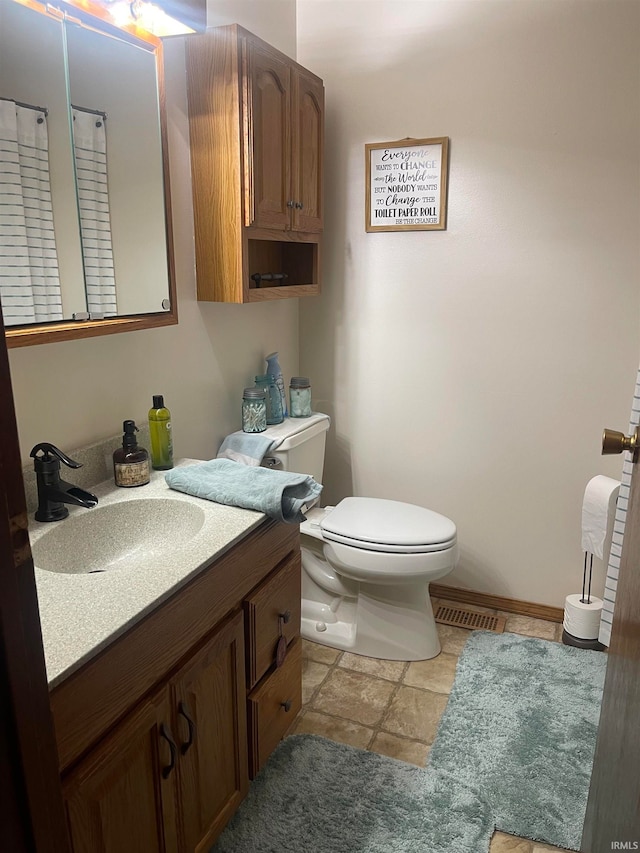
<point x="161" y="724"/>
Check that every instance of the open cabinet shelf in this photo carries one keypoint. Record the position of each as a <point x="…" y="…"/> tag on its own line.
<point x="297" y="262"/>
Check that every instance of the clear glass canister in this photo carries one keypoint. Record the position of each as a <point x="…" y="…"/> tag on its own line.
<point x="299" y="397"/>
<point x="273" y="398"/>
<point x="254" y="410"/>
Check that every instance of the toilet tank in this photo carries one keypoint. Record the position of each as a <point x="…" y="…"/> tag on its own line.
<point x="301" y="445"/>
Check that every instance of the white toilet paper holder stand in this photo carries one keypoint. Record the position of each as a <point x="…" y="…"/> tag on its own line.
<point x="587" y="600"/>
<point x="579" y="642"/>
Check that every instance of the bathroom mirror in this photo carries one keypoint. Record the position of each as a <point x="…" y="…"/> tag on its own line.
<point x="85" y="242"/>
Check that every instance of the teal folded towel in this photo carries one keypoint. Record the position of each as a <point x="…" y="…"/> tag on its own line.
<point x="248" y="448"/>
<point x="279" y="494"/>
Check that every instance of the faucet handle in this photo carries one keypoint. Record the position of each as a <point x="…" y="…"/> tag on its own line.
<point x="50" y="450"/>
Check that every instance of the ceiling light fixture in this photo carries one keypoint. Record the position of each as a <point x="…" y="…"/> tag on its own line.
<point x="163" y="18"/>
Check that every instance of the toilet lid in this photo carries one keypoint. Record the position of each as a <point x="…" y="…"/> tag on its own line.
<point x="380" y="525"/>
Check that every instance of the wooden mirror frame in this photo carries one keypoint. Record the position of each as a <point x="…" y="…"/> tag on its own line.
<point x="94" y="17"/>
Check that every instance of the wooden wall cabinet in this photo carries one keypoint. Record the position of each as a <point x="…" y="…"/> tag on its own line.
<point x="256" y="123"/>
<point x="163" y="769"/>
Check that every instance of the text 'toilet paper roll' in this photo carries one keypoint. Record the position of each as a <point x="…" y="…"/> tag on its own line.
<point x="598" y="506"/>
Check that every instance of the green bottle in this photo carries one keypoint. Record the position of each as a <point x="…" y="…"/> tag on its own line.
<point x="160" y="429"/>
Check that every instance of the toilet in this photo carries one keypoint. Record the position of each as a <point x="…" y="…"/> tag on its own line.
<point x="367" y="562"/>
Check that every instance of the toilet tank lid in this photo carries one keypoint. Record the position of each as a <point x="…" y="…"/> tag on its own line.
<point x="384" y="522"/>
<point x="293" y="431"/>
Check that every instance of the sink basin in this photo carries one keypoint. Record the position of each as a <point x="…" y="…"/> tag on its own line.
<point x="131" y="534"/>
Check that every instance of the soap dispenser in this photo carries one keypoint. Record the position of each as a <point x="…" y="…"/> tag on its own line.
<point x="130" y="462"/>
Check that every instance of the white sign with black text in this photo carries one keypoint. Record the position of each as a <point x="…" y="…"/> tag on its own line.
<point x="407" y="185"/>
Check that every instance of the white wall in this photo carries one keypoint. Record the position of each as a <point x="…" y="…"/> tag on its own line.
<point x="492" y="354"/>
<point x="77" y="392"/>
<point x="271" y="20"/>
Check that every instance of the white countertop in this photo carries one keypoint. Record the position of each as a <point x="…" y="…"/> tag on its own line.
<point x="80" y="614"/>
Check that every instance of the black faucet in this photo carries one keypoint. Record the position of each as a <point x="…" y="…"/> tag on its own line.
<point x="54" y="493"/>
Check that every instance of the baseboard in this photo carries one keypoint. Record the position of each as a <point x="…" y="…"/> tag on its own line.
<point x="497" y="602"/>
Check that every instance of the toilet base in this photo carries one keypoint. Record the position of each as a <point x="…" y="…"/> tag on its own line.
<point x="397" y="627"/>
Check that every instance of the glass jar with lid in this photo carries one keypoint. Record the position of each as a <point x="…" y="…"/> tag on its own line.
<point x="254" y="410"/>
<point x="273" y="398"/>
<point x="300" y="397"/>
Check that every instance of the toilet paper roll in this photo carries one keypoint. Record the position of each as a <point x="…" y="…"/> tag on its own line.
<point x="582" y="620"/>
<point x="598" y="505"/>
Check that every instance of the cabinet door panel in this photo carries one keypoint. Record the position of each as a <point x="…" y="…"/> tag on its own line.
<point x="277" y="598"/>
<point x="308" y="139"/>
<point x="273" y="706"/>
<point x="209" y="696"/>
<point x="269" y="120"/>
<point x="117" y="799"/>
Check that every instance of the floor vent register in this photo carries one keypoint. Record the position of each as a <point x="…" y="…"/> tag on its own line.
<point x="462" y="618"/>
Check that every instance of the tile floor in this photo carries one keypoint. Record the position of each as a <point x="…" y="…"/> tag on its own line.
<point x="392" y="707"/>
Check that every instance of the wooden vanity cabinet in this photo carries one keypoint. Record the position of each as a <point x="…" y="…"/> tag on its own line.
<point x="126" y="767"/>
<point x="272" y="612"/>
<point x="210" y="727"/>
<point x="172" y="774"/>
<point x="165" y="768"/>
<point x="256" y="122"/>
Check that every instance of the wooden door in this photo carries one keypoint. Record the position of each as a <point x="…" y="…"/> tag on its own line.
<point x="209" y="701"/>
<point x="307" y="147"/>
<point x="268" y="179"/>
<point x="613" y="809"/>
<point x="122" y="797"/>
<point x="31" y="808"/>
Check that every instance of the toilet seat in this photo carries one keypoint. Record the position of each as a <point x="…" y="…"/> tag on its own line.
<point x="390" y="527"/>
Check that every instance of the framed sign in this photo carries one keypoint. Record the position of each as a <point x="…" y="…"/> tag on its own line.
<point x="407" y="185"/>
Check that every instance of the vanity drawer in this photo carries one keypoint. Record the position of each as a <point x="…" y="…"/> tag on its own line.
<point x="273" y="706"/>
<point x="271" y="610"/>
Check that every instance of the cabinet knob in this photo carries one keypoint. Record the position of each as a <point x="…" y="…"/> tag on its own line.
<point x="285" y="617"/>
<point x="299" y="205"/>
<point x="290" y="204"/>
<point x="286" y="705"/>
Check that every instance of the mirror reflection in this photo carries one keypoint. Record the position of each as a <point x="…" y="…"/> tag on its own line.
<point x="114" y="97"/>
<point x="82" y="206"/>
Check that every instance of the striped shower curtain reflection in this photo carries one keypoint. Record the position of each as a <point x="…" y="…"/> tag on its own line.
<point x="90" y="147"/>
<point x="29" y="275"/>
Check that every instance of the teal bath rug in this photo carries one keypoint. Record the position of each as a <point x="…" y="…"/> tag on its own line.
<point x="513" y="751"/>
<point x="520" y="727"/>
<point x="317" y="796"/>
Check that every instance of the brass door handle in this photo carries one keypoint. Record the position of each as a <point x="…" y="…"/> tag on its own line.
<point x="617" y="442"/>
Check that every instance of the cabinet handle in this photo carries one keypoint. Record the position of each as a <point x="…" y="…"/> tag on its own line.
<point x="299" y="205"/>
<point x="165" y="732"/>
<point x="285" y="617"/>
<point x="183" y="710"/>
<point x="290" y="204"/>
<point x="286" y="705"/>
